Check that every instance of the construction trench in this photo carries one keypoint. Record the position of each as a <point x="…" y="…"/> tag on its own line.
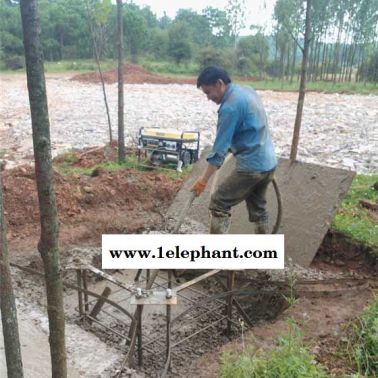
<point x="161" y="320"/>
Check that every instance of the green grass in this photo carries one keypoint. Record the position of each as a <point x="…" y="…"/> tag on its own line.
<point x="290" y="358"/>
<point x="363" y="341"/>
<point x="79" y="65"/>
<point x="169" y="67"/>
<point x="356" y="222"/>
<point x="321" y="86"/>
<point x="65" y="166"/>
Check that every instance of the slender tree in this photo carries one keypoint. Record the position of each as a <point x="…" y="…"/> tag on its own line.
<point x="97" y="58"/>
<point x="7" y="301"/>
<point x="121" y="127"/>
<point x="48" y="243"/>
<point x="302" y="86"/>
<point x="236" y="14"/>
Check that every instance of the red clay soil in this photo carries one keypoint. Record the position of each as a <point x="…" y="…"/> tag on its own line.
<point x="124" y="201"/>
<point x="323" y="321"/>
<point x="133" y="74"/>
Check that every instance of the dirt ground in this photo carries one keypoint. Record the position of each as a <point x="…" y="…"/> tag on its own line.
<point x="134" y="74"/>
<point x="125" y="201"/>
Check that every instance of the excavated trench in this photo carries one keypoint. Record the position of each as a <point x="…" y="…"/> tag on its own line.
<point x="199" y="320"/>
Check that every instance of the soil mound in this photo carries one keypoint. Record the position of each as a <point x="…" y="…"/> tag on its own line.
<point x="133" y="74"/>
<point x="120" y="201"/>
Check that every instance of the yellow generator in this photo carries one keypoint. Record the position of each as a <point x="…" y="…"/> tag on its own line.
<point x="163" y="146"/>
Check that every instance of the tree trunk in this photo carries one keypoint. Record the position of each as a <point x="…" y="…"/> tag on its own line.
<point x="61" y="44"/>
<point x="7" y="302"/>
<point x="337" y="49"/>
<point x="48" y="243"/>
<point x="317" y="61"/>
<point x="345" y="54"/>
<point x="310" y="60"/>
<point x="324" y="54"/>
<point x="287" y="70"/>
<point x="348" y="61"/>
<point x="293" y="62"/>
<point x="352" y="62"/>
<point x="282" y="63"/>
<point x="121" y="127"/>
<point x="97" y="58"/>
<point x="361" y="63"/>
<point x="328" y="62"/>
<point x="302" y="86"/>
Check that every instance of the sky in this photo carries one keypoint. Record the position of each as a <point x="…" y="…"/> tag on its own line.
<point x="259" y="12"/>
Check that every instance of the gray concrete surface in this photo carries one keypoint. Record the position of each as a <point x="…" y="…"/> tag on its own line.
<point x="310" y="196"/>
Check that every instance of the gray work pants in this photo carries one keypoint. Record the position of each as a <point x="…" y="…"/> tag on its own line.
<point x="238" y="187"/>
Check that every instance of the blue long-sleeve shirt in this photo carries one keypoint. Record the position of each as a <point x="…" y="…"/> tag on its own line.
<point x="243" y="128"/>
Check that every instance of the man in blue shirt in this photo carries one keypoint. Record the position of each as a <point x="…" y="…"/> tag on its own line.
<point x="242" y="129"/>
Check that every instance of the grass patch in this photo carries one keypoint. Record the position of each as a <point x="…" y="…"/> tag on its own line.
<point x="65" y="166"/>
<point x="356" y="222"/>
<point x="288" y="359"/>
<point x="321" y="86"/>
<point x="363" y="341"/>
<point x="79" y="65"/>
<point x="171" y="68"/>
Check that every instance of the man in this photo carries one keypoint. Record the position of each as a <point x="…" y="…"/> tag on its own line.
<point x="242" y="129"/>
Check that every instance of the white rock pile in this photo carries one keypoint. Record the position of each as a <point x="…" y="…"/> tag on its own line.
<point x="338" y="130"/>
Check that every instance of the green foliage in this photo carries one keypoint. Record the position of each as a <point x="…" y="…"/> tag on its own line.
<point x="252" y="53"/>
<point x="134" y="30"/>
<point x="170" y="68"/>
<point x="291" y="299"/>
<point x="363" y="341"/>
<point x="369" y="70"/>
<point x="220" y="27"/>
<point x="64" y="21"/>
<point x="355" y="222"/>
<point x="194" y="36"/>
<point x="319" y="86"/>
<point x="179" y="47"/>
<point x="14" y="62"/>
<point x="288" y="359"/>
<point x="78" y="65"/>
<point x="198" y="24"/>
<point x="11" y="44"/>
<point x="10" y="31"/>
<point x="212" y="56"/>
<point x="158" y="43"/>
<point x="236" y="15"/>
<point x="101" y="11"/>
<point x="65" y="165"/>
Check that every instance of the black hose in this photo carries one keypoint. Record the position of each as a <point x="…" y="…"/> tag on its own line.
<point x="279" y="207"/>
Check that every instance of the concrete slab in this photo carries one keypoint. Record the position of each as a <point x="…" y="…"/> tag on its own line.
<point x="310" y="196"/>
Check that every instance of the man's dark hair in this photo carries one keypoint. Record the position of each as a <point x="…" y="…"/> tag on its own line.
<point x="210" y="75"/>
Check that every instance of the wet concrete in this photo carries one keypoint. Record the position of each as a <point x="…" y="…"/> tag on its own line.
<point x="310" y="196"/>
